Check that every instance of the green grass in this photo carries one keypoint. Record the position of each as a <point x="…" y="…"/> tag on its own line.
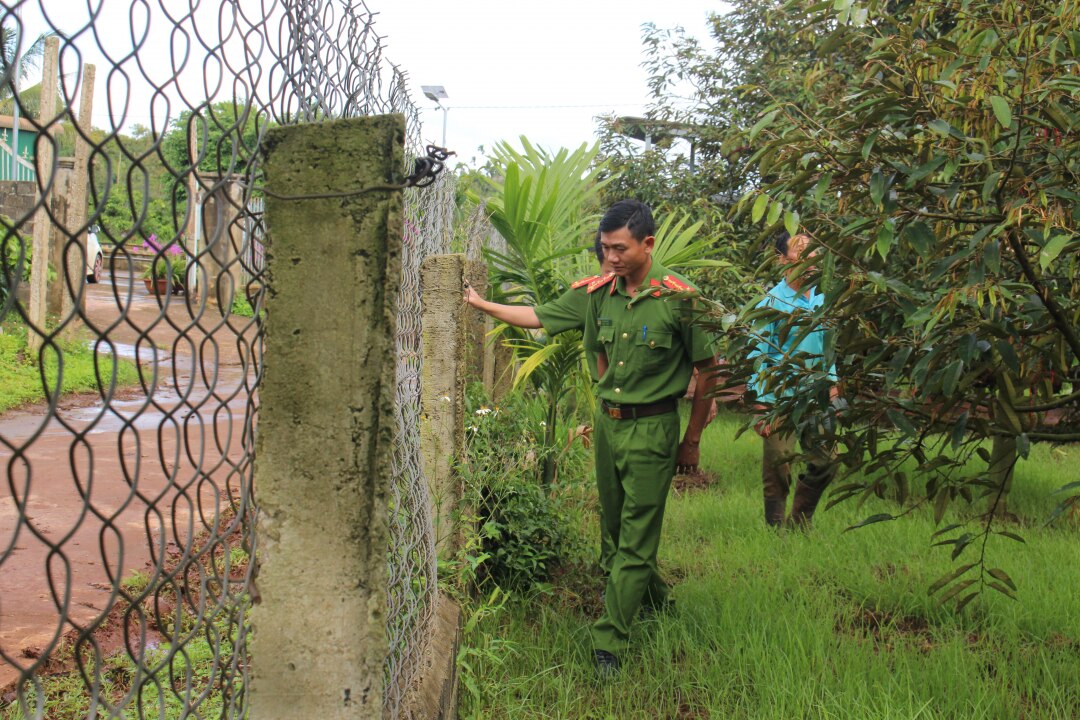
<point x="21" y="379"/>
<point x="826" y="625"/>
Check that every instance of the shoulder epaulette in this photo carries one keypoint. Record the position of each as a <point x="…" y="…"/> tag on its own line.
<point x="676" y="284"/>
<point x="584" y="281"/>
<point x="601" y="282"/>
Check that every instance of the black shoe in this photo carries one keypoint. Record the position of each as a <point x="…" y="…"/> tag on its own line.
<point x="607" y="665"/>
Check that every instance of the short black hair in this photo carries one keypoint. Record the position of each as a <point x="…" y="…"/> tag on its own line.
<point x="598" y="249"/>
<point x="780" y="242"/>
<point x="633" y="215"/>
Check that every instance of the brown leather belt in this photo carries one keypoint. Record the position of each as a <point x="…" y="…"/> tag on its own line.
<point x="632" y="412"/>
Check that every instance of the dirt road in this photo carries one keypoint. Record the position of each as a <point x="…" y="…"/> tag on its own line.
<point x="101" y="488"/>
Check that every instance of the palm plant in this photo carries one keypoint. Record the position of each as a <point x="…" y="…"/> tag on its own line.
<point x="28" y="60"/>
<point x="543" y="209"/>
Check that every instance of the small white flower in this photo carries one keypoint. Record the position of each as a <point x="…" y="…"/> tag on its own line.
<point x="543" y="424"/>
<point x="445" y="398"/>
<point x="473" y="428"/>
<point x="483" y="410"/>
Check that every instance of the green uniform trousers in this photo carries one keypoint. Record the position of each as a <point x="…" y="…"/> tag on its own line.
<point x="635" y="462"/>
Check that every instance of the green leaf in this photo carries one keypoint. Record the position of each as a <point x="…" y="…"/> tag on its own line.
<point x="1002" y="111"/>
<point x="791" y="222"/>
<point x="926" y="169"/>
<point x="877" y="187"/>
<point x="946" y="579"/>
<point x="880" y="517"/>
<point x="1008" y="355"/>
<point x="941" y="502"/>
<point x="763" y="123"/>
<point x="885" y="239"/>
<point x="774" y="212"/>
<point x="952" y="376"/>
<point x="868" y="144"/>
<point x="1052" y="249"/>
<point x="901" y="423"/>
<point x="960" y="430"/>
<point x="1011" y="536"/>
<point x="1023" y="445"/>
<point x="1003" y="576"/>
<point x="940" y="127"/>
<point x="821" y="186"/>
<point x="758" y="211"/>
<point x="1007" y="592"/>
<point x="990" y="185"/>
<point x="955" y="590"/>
<point x="921" y="237"/>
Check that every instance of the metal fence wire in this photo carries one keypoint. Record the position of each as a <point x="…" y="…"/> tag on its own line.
<point x="128" y="502"/>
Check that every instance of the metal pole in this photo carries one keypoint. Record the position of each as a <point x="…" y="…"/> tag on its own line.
<point x="444" y="112"/>
<point x="15" y="97"/>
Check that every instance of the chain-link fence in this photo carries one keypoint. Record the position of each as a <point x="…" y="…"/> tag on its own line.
<point x="132" y="314"/>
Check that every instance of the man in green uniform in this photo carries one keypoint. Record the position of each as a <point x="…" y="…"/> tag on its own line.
<point x="647" y="346"/>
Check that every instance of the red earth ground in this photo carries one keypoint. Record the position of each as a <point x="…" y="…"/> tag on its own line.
<point x="90" y="491"/>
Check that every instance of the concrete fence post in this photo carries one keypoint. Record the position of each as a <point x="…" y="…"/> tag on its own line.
<point x="222" y="238"/>
<point x="39" y="263"/>
<point x="61" y="209"/>
<point x="76" y="194"/>
<point x="326" y="421"/>
<point x="447" y="351"/>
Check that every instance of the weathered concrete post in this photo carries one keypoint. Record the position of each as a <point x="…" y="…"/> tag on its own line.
<point x="39" y="267"/>
<point x="76" y="194"/>
<point x="445" y="323"/>
<point x="222" y="238"/>
<point x="61" y="209"/>
<point x="326" y="421"/>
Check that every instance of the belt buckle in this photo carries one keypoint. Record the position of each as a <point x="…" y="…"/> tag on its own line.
<point x="614" y="412"/>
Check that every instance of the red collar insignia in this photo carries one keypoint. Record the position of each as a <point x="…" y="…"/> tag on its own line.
<point x="601" y="281"/>
<point x="675" y="284"/>
<point x="584" y="281"/>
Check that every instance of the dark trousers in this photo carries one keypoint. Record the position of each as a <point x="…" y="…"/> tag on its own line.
<point x="777" y="452"/>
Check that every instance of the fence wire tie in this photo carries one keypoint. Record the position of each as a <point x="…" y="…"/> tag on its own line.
<point x="425" y="170"/>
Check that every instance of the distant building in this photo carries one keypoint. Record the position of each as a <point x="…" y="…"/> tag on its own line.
<point x="21" y="166"/>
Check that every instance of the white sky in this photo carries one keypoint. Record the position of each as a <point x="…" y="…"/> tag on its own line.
<point x="541" y="69"/>
<point x="510" y="68"/>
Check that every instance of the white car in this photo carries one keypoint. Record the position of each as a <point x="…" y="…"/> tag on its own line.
<point x="95" y="259"/>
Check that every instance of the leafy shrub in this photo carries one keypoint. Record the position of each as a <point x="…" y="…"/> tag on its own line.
<point x="14" y="248"/>
<point x="525" y="528"/>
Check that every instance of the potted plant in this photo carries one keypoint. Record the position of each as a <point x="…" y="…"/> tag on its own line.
<point x="169" y="263"/>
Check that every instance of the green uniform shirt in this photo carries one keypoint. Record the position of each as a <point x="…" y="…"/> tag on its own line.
<point x="567" y="312"/>
<point x="650" y="343"/>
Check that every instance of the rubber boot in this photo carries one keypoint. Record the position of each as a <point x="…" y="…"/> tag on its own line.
<point x="774" y="511"/>
<point x="808" y="491"/>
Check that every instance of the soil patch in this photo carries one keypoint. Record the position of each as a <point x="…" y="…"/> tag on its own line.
<point x="693" y="481"/>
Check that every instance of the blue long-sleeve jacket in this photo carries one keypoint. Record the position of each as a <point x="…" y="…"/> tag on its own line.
<point x="772" y="348"/>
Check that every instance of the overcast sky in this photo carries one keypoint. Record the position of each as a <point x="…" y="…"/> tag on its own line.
<point x="544" y="69"/>
<point x="541" y="69"/>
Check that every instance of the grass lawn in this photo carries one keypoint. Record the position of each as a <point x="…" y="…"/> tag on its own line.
<point x="785" y="625"/>
<point x="21" y="380"/>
